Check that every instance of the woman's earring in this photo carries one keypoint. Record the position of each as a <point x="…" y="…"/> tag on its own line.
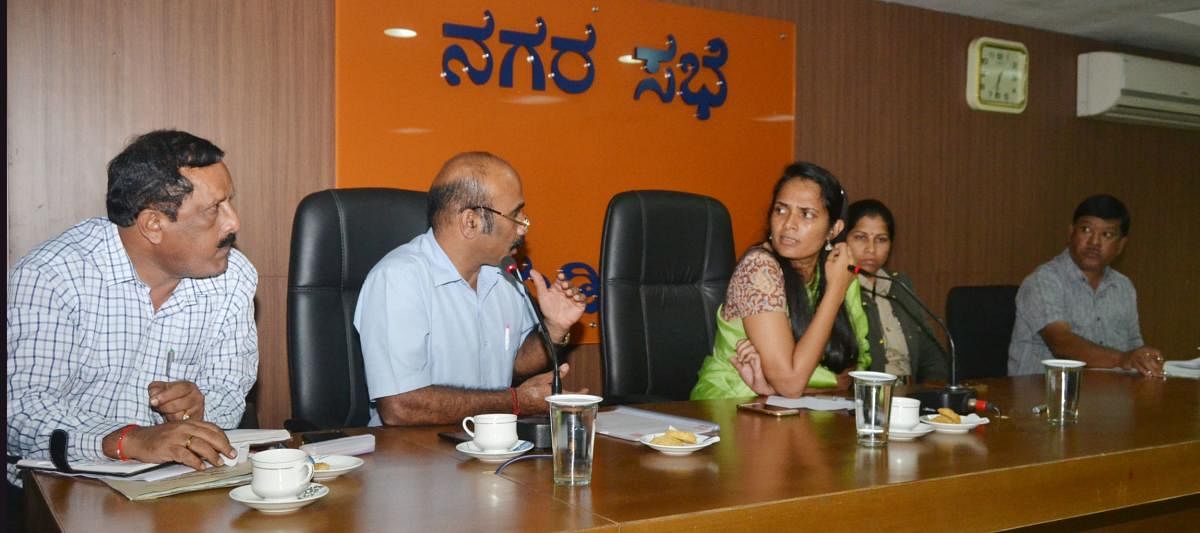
<point x="828" y="246"/>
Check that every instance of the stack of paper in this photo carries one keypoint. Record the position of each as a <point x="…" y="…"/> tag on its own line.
<point x="1183" y="369"/>
<point x="210" y="478"/>
<point x="241" y="439"/>
<point x="356" y="445"/>
<point x="815" y="403"/>
<point x="254" y="437"/>
<point x="631" y="423"/>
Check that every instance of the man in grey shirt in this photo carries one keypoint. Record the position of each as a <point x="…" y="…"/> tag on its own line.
<point x="1076" y="307"/>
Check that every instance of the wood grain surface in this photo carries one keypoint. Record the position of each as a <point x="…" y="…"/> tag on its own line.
<point x="980" y="198"/>
<point x="1129" y="459"/>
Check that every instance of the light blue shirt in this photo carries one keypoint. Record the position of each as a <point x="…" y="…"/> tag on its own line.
<point x="84" y="341"/>
<point x="421" y="324"/>
<point x="1059" y="292"/>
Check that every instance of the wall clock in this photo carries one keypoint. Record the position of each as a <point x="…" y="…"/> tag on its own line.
<point x="997" y="75"/>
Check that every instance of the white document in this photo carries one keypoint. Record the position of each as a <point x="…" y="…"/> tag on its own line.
<point x="353" y="445"/>
<point x="1182" y="369"/>
<point x="241" y="439"/>
<point x="254" y="437"/>
<point x="814" y="403"/>
<point x="631" y="423"/>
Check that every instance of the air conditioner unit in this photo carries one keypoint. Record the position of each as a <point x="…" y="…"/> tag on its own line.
<point x="1138" y="90"/>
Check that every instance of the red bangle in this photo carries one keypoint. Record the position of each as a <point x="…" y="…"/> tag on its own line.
<point x="121" y="441"/>
<point x="516" y="404"/>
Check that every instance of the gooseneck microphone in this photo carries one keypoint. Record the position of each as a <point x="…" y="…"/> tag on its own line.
<point x="953" y="396"/>
<point x="949" y="338"/>
<point x="509" y="267"/>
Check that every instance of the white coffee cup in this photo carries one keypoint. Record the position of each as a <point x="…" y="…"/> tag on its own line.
<point x="281" y="473"/>
<point x="492" y="432"/>
<point x="906" y="412"/>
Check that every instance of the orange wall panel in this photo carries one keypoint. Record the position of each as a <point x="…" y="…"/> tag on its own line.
<point x="398" y="118"/>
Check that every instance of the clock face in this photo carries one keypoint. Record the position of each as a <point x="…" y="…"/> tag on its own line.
<point x="997" y="75"/>
<point x="1002" y="75"/>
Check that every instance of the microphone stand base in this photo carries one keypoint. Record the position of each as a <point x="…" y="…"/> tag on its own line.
<point x="535" y="429"/>
<point x="954" y="397"/>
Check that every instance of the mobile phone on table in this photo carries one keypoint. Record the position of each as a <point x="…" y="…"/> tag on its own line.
<point x="455" y="436"/>
<point x="764" y="408"/>
<point x="320" y="436"/>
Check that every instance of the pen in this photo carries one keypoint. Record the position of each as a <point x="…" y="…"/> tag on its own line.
<point x="171" y="359"/>
<point x="506" y="337"/>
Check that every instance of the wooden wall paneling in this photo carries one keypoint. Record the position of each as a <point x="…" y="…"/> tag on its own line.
<point x="983" y="198"/>
<point x="980" y="198"/>
<point x="253" y="77"/>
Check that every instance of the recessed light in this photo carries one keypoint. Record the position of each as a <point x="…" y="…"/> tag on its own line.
<point x="400" y="33"/>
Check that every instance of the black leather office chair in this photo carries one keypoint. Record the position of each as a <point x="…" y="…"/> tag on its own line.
<point x="981" y="320"/>
<point x="665" y="261"/>
<point x="337" y="236"/>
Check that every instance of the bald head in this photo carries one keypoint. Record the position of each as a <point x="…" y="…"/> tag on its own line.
<point x="466" y="180"/>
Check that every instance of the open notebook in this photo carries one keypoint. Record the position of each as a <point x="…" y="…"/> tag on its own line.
<point x="241" y="439"/>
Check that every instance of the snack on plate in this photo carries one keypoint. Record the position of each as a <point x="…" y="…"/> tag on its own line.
<point x="674" y="437"/>
<point x="947" y="416"/>
<point x="321" y="466"/>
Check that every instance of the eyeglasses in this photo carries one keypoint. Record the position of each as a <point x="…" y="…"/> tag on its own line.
<point x="514" y="220"/>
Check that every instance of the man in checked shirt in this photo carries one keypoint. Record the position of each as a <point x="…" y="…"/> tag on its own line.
<point x="135" y="334"/>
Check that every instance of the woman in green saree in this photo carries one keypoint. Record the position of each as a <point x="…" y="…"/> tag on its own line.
<point x="793" y="298"/>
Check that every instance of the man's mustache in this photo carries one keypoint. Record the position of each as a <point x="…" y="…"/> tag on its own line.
<point x="228" y="241"/>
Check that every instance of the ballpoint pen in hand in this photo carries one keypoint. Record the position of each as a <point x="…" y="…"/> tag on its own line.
<point x="170" y="358"/>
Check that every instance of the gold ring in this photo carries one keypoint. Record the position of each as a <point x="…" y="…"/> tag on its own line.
<point x="185" y="416"/>
<point x="188" y="442"/>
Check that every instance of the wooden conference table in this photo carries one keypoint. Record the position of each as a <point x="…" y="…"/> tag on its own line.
<point x="1132" y="460"/>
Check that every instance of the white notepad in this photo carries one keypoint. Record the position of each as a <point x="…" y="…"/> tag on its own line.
<point x="353" y="445"/>
<point x="631" y="423"/>
<point x="241" y="439"/>
<point x="814" y="403"/>
<point x="1182" y="369"/>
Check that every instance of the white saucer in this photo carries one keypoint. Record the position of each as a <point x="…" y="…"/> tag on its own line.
<point x="702" y="441"/>
<point x="469" y="448"/>
<point x="920" y="430"/>
<point x="246" y="495"/>
<point x="338" y="465"/>
<point x="970" y="422"/>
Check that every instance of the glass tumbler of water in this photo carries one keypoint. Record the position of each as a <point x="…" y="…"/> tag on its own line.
<point x="872" y="406"/>
<point x="1063" y="377"/>
<point x="572" y="436"/>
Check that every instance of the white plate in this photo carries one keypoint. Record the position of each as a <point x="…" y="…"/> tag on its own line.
<point x="246" y="495"/>
<point x="970" y="422"/>
<point x="338" y="465"/>
<point x="911" y="433"/>
<point x="469" y="448"/>
<point x="702" y="441"/>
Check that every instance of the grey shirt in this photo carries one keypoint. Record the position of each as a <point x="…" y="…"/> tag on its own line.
<point x="1059" y="292"/>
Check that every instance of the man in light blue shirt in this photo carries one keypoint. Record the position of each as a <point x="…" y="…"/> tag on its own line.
<point x="1077" y="307"/>
<point x="443" y="332"/>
